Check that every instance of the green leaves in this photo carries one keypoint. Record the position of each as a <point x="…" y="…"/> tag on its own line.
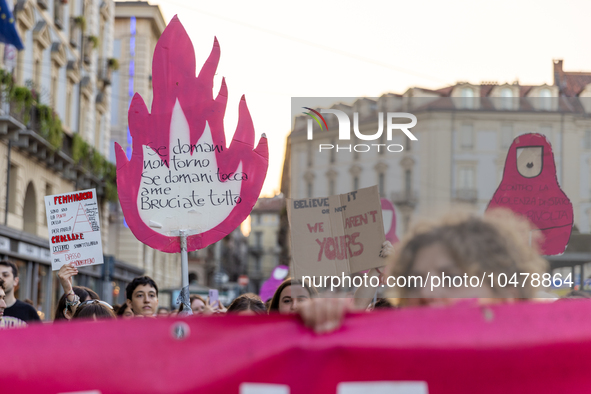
<point x="87" y="157"/>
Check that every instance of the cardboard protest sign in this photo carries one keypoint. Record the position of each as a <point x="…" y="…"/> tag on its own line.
<point x="389" y="217"/>
<point x="182" y="175"/>
<point x="337" y="234"/>
<point x="74" y="229"/>
<point x="529" y="187"/>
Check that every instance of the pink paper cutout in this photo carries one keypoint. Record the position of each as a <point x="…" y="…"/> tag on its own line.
<point x="391" y="234"/>
<point x="539" y="198"/>
<point x="173" y="69"/>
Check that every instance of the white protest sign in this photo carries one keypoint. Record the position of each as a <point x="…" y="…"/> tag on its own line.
<point x="74" y="229"/>
<point x="182" y="176"/>
<point x="337" y="234"/>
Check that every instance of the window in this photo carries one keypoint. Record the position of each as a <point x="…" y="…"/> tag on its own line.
<point x="466" y="178"/>
<point x="355" y="183"/>
<point x="48" y="192"/>
<point x="58" y="14"/>
<point x="466" y="184"/>
<point x="254" y="218"/>
<point x="258" y="239"/>
<point x="54" y="86"/>
<point x="506" y="135"/>
<point x="545" y="100"/>
<point x="309" y="190"/>
<point x="69" y="98"/>
<point x="13" y="173"/>
<point x="37" y="74"/>
<point x="466" y="137"/>
<point x="506" y="99"/>
<point x="309" y="155"/>
<point x="467" y="98"/>
<point x="30" y="210"/>
<point x="115" y="90"/>
<point x="331" y="187"/>
<point x="381" y="185"/>
<point x="98" y="135"/>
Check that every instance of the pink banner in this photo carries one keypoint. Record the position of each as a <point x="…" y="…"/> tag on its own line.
<point x="520" y="348"/>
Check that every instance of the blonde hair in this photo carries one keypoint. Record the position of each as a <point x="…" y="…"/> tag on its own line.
<point x="499" y="242"/>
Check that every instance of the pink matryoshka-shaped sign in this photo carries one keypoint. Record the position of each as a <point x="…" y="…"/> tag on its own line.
<point x="529" y="187"/>
<point x="182" y="175"/>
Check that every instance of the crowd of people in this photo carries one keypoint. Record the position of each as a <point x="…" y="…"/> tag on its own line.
<point x="499" y="242"/>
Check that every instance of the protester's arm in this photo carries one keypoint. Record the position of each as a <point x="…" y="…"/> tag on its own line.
<point x="364" y="295"/>
<point x="65" y="276"/>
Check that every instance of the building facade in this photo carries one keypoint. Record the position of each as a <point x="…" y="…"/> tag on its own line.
<point x="138" y="25"/>
<point x="54" y="102"/>
<point x="264" y="240"/>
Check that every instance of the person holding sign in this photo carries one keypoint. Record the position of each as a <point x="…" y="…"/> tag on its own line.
<point x="72" y="299"/>
<point x="62" y="312"/>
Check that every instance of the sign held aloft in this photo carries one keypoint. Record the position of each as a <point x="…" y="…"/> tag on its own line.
<point x="530" y="188"/>
<point x="337" y="234"/>
<point x="182" y="178"/>
<point x="74" y="229"/>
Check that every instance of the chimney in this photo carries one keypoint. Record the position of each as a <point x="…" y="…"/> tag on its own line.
<point x="557" y="71"/>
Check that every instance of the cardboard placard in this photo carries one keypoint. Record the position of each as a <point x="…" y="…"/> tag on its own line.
<point x="530" y="188"/>
<point x="182" y="175"/>
<point x="74" y="229"/>
<point x="337" y="234"/>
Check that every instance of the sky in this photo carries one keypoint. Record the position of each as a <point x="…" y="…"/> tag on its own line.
<point x="272" y="51"/>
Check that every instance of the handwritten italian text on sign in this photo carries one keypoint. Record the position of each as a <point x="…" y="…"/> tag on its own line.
<point x="74" y="229"/>
<point x="336" y="234"/>
<point x="181" y="175"/>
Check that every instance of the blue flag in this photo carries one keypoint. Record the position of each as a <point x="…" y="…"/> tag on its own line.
<point x="8" y="34"/>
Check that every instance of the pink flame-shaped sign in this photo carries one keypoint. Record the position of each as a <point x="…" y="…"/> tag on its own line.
<point x="181" y="175"/>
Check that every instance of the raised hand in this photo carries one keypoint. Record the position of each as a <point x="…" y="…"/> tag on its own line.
<point x="65" y="276"/>
<point x="324" y="315"/>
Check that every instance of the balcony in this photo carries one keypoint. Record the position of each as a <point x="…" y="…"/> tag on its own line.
<point x="407" y="198"/>
<point x="466" y="195"/>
